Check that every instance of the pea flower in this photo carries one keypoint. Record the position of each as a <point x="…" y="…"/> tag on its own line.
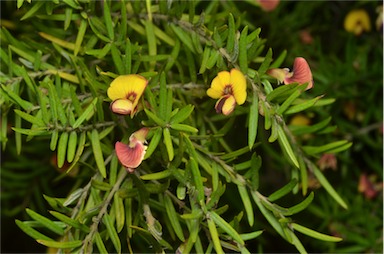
<point x="268" y="5"/>
<point x="125" y="92"/>
<point x="357" y="21"/>
<point x="132" y="155"/>
<point x="301" y="73"/>
<point x="230" y="88"/>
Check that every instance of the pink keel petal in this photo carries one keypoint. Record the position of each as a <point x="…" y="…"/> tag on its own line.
<point x="130" y="156"/>
<point x="301" y="73"/>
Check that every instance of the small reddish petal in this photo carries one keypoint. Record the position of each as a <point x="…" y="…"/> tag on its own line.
<point x="130" y="156"/>
<point x="301" y="73"/>
<point x="225" y="105"/>
<point x="268" y="5"/>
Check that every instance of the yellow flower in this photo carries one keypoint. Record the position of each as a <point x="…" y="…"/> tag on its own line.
<point x="125" y="92"/>
<point x="230" y="88"/>
<point x="132" y="155"/>
<point x="357" y="21"/>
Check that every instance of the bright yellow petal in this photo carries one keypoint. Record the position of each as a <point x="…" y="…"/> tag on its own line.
<point x="239" y="86"/>
<point x="218" y="84"/>
<point x="125" y="85"/>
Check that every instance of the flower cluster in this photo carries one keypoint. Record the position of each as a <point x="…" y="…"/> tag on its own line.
<point x="125" y="92"/>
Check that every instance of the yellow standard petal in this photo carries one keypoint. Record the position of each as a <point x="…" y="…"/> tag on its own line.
<point x="218" y="84"/>
<point x="239" y="86"/>
<point x="129" y="87"/>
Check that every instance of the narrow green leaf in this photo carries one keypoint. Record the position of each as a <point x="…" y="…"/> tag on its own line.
<point x="283" y="107"/>
<point x="183" y="114"/>
<point x="328" y="148"/>
<point x="54" y="98"/>
<point x="184" y="37"/>
<point x="62" y="149"/>
<point x="69" y="221"/>
<point x="157" y="176"/>
<point x="151" y="39"/>
<point x="184" y="127"/>
<point x="220" y="222"/>
<point x="303" y="106"/>
<point x="296" y="242"/>
<point x="252" y="235"/>
<point x="154" y="142"/>
<point x="119" y="212"/>
<point x="243" y="61"/>
<point x="315" y="234"/>
<point x="31" y="231"/>
<point x="72" y="143"/>
<point x="30" y="118"/>
<point x="155" y="118"/>
<point x="61" y="245"/>
<point x="247" y="203"/>
<point x="283" y="190"/>
<point x="112" y="232"/>
<point x="253" y="120"/>
<point x="116" y="57"/>
<point x="32" y="132"/>
<point x="26" y="105"/>
<point x="79" y="151"/>
<point x="173" y="217"/>
<point x="204" y="60"/>
<point x="231" y="34"/>
<point x="265" y="64"/>
<point x="100" y="185"/>
<point x="197" y="179"/>
<point x="286" y="146"/>
<point x="173" y="56"/>
<point x="35" y="8"/>
<point x="100" y="243"/>
<point x="283" y="91"/>
<point x="274" y="133"/>
<point x="80" y="36"/>
<point x="168" y="143"/>
<point x="45" y="221"/>
<point x="108" y="20"/>
<point x="168" y="108"/>
<point x="328" y="187"/>
<point x="87" y="114"/>
<point x="279" y="60"/>
<point x="58" y="41"/>
<point x="214" y="236"/>
<point x="96" y="147"/>
<point x="302" y="205"/>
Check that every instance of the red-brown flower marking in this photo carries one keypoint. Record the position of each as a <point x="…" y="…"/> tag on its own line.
<point x="131" y="155"/>
<point x="301" y="73"/>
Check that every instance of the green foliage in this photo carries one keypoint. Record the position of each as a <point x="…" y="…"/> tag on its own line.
<point x="201" y="171"/>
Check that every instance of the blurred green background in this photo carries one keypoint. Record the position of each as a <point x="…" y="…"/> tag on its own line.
<point x="345" y="66"/>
